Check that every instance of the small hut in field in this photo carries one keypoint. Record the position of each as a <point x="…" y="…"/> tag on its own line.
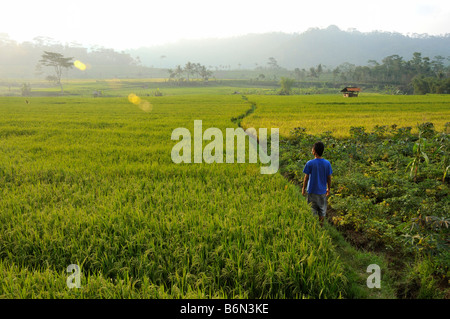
<point x="350" y="91"/>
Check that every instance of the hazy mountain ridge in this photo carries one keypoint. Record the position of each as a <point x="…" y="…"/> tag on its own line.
<point x="330" y="47"/>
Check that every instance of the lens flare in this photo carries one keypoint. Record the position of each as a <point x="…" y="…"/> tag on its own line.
<point x="133" y="98"/>
<point x="79" y="65"/>
<point x="143" y="105"/>
<point x="146" y="106"/>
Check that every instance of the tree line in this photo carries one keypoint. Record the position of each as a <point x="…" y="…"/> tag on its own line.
<point x="188" y="72"/>
<point x="419" y="75"/>
<point x="21" y="60"/>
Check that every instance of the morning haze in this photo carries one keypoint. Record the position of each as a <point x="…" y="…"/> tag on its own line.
<point x="168" y="150"/>
<point x="330" y="47"/>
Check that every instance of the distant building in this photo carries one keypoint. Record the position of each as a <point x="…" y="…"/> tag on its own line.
<point x="351" y="91"/>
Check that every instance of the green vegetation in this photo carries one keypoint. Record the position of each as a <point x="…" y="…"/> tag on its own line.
<point x="333" y="113"/>
<point x="390" y="186"/>
<point x="424" y="85"/>
<point x="190" y="69"/>
<point x="57" y="62"/>
<point x="400" y="72"/>
<point x="380" y="205"/>
<point x="116" y="87"/>
<point x="286" y="85"/>
<point x="90" y="181"/>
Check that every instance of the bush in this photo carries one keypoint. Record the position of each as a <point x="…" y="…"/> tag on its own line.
<point x="286" y="85"/>
<point x="26" y="89"/>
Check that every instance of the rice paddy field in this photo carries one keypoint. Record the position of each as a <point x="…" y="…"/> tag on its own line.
<point x="90" y="181"/>
<point x="333" y="113"/>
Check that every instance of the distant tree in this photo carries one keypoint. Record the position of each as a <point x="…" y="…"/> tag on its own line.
<point x="426" y="66"/>
<point x="424" y="85"/>
<point x="312" y="72"/>
<point x="204" y="73"/>
<point x="172" y="74"/>
<point x="273" y="64"/>
<point x="197" y="69"/>
<point x="319" y="70"/>
<point x="416" y="62"/>
<point x="438" y="65"/>
<point x="336" y="72"/>
<point x="421" y="85"/>
<point x="137" y="61"/>
<point x="441" y="86"/>
<point x="26" y="89"/>
<point x="392" y="67"/>
<point x="189" y="68"/>
<point x="176" y="74"/>
<point x="286" y="85"/>
<point x="297" y="73"/>
<point x="58" y="62"/>
<point x="179" y="72"/>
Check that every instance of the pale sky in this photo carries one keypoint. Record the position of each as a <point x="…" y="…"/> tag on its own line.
<point x="137" y="23"/>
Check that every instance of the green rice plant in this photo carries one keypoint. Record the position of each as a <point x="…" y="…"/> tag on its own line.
<point x="321" y="113"/>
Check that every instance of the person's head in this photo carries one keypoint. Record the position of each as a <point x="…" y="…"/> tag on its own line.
<point x="318" y="148"/>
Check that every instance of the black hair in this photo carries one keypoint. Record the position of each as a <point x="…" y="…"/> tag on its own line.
<point x="319" y="147"/>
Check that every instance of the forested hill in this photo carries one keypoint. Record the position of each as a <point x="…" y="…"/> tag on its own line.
<point x="330" y="47"/>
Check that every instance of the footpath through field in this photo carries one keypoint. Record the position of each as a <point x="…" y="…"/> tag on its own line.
<point x="323" y="116"/>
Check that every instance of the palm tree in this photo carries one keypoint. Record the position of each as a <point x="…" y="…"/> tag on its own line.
<point x="189" y="69"/>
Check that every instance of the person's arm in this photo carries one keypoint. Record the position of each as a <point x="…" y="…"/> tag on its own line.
<point x="305" y="183"/>
<point x="328" y="185"/>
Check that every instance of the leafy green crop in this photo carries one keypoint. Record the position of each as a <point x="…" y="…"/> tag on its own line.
<point x="374" y="195"/>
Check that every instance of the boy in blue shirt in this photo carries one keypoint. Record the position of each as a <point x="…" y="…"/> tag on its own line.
<point x="317" y="181"/>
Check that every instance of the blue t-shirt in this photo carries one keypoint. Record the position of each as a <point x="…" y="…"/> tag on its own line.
<point x="318" y="170"/>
